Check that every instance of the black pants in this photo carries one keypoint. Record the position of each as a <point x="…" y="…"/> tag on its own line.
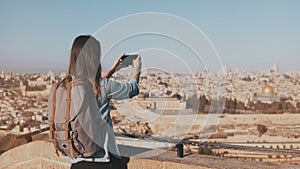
<point x="115" y="163"/>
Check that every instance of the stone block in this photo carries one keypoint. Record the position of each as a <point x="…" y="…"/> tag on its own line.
<point x="136" y="163"/>
<point x="174" y="165"/>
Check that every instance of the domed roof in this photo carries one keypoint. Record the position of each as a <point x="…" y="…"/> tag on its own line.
<point x="267" y="89"/>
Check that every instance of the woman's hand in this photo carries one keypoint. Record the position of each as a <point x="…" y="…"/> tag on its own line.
<point x="137" y="64"/>
<point x="115" y="67"/>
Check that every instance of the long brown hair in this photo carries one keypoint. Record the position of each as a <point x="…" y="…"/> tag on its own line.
<point x="85" y="61"/>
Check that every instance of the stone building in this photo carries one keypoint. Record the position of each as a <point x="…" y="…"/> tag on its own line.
<point x="267" y="95"/>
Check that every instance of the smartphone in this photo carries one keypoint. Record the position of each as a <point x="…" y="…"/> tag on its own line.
<point x="126" y="60"/>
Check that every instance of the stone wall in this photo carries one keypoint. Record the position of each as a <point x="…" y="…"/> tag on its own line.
<point x="41" y="155"/>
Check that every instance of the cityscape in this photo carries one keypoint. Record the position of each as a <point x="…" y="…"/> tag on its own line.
<point x="24" y="96"/>
<point x="268" y="100"/>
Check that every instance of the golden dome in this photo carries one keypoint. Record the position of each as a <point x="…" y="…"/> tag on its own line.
<point x="267" y="89"/>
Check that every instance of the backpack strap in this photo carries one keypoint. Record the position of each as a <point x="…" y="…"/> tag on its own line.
<point x="67" y="133"/>
<point x="52" y="133"/>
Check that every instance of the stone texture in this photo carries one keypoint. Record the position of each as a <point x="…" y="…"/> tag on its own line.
<point x="138" y="163"/>
<point x="37" y="155"/>
<point x="173" y="165"/>
<point x="41" y="155"/>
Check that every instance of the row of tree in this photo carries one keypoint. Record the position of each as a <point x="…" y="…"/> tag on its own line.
<point x="233" y="106"/>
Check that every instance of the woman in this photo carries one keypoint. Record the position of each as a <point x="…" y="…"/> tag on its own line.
<point x="91" y="95"/>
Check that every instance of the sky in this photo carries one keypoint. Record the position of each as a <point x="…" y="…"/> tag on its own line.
<point x="36" y="36"/>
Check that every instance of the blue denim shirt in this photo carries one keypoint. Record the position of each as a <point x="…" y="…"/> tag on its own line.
<point x="110" y="89"/>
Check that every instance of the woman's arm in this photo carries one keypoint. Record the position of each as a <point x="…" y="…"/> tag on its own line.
<point x="113" y="69"/>
<point x="108" y="74"/>
<point x="124" y="90"/>
<point x="121" y="90"/>
<point x="137" y="65"/>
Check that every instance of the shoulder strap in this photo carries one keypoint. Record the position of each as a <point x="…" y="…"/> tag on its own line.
<point x="67" y="133"/>
<point x="52" y="133"/>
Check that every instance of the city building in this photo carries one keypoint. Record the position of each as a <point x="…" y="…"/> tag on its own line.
<point x="165" y="103"/>
<point x="3" y="74"/>
<point x="267" y="95"/>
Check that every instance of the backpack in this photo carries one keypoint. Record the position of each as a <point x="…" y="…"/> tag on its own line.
<point x="66" y="132"/>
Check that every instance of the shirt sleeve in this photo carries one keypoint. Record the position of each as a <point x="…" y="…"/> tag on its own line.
<point x="122" y="90"/>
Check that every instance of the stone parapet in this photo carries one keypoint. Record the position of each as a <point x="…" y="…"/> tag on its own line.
<point x="41" y="155"/>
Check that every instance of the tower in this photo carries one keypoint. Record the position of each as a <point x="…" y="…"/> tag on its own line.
<point x="51" y="76"/>
<point x="22" y="88"/>
<point x="276" y="68"/>
<point x="226" y="69"/>
<point x="3" y="74"/>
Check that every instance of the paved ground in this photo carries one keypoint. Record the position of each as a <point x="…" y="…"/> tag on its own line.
<point x="221" y="162"/>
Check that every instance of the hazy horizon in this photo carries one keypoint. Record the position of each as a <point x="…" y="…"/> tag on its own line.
<point x="57" y="71"/>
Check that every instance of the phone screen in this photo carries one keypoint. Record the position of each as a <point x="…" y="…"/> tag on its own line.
<point x="127" y="60"/>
